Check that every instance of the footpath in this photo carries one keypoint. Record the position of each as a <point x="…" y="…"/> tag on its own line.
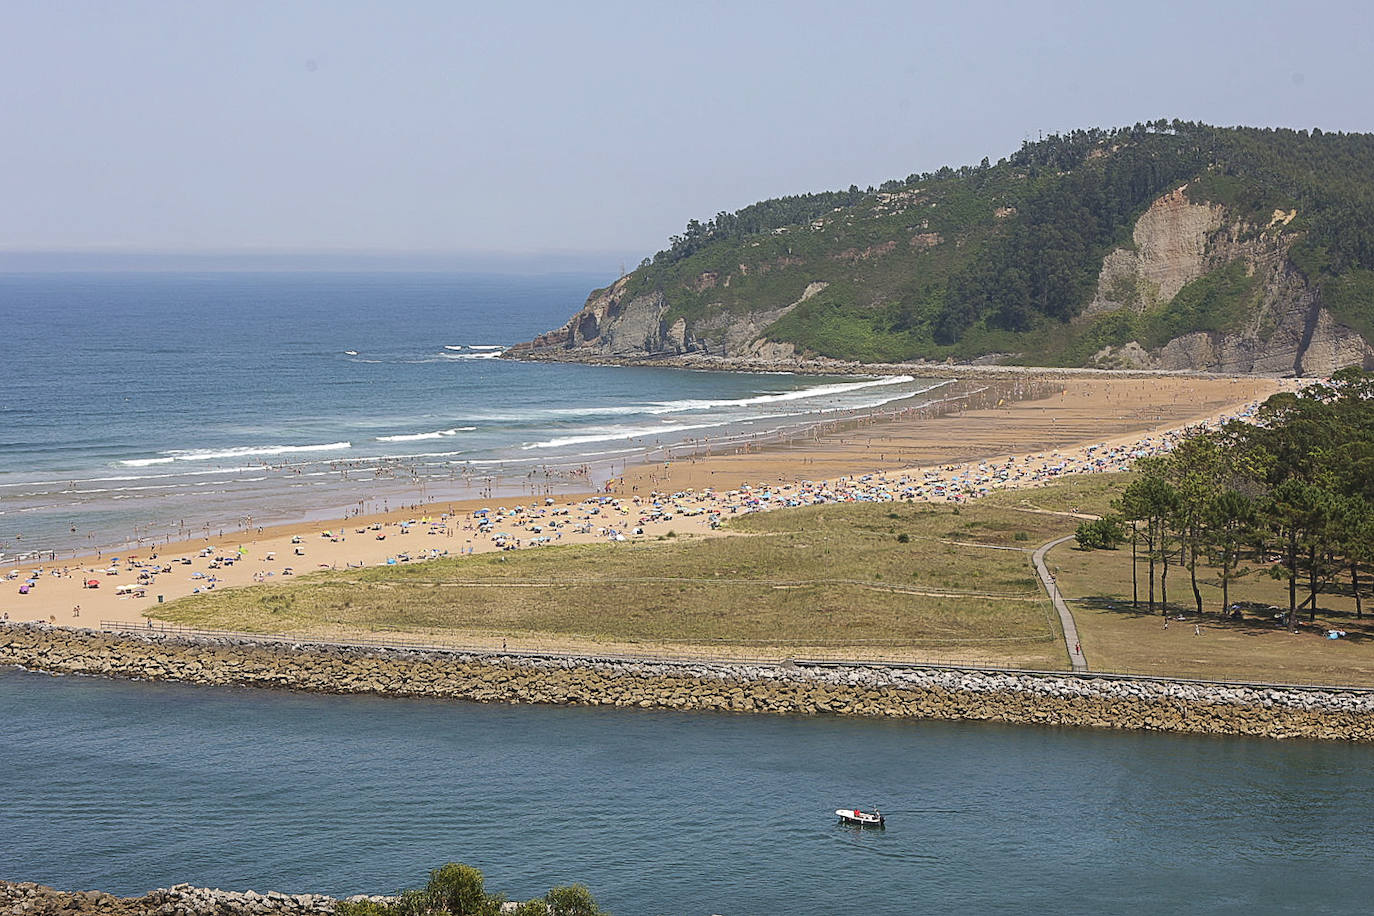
<point x="1076" y="657"/>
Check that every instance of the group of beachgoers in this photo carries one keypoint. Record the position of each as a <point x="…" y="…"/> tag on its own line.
<point x="617" y="516"/>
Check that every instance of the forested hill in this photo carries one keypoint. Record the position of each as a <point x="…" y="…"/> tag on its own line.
<point x="1169" y="244"/>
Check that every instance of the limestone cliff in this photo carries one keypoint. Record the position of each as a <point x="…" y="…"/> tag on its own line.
<point x="1247" y="250"/>
<point x="1176" y="241"/>
<point x="613" y="324"/>
<point x="1287" y="331"/>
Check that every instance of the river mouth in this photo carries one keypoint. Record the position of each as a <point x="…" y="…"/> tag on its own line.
<point x="129" y="786"/>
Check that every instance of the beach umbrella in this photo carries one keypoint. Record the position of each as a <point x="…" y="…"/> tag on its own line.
<point x="93" y="583"/>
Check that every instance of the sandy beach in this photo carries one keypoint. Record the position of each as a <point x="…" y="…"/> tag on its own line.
<point x="1093" y="423"/>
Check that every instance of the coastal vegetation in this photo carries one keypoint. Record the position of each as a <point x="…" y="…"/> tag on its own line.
<point x="1004" y="258"/>
<point x="460" y="890"/>
<point x="904" y="580"/>
<point x="1257" y="532"/>
<point x="1291" y="494"/>
<point x="949" y="580"/>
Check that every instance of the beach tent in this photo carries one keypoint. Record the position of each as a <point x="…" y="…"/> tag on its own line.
<point x="93" y="583"/>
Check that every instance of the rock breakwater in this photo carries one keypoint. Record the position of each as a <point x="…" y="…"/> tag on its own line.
<point x="28" y="899"/>
<point x="1033" y="698"/>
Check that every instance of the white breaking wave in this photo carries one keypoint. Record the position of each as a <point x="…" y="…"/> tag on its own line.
<point x="800" y="394"/>
<point x="453" y="346"/>
<point x="246" y="451"/>
<point x="437" y="434"/>
<point x="619" y="432"/>
<point x="486" y="346"/>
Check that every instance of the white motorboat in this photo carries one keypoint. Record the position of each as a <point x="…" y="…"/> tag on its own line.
<point x="861" y="818"/>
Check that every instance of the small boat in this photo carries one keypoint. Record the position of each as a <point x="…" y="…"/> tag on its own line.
<point x="350" y="353"/>
<point x="861" y="818"/>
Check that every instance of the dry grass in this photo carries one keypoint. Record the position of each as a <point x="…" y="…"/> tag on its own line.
<point x="832" y="580"/>
<point x="1119" y="637"/>
<point x="1084" y="493"/>
<point x="814" y="578"/>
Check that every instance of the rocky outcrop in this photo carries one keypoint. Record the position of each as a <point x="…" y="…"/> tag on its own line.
<point x="1288" y="332"/>
<point x="615" y="325"/>
<point x="1171" y="248"/>
<point x="800" y="688"/>
<point x="1176" y="241"/>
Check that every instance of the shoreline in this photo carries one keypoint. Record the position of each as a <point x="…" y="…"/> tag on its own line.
<point x="589" y="479"/>
<point x="942" y="452"/>
<point x="822" y="365"/>
<point x="909" y="692"/>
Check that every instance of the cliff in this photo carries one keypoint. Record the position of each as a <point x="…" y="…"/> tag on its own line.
<point x="1165" y="247"/>
<point x="1281" y="328"/>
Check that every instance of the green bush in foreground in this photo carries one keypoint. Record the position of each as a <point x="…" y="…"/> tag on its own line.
<point x="459" y="890"/>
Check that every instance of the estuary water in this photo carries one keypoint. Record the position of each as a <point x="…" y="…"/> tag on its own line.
<point x="147" y="406"/>
<point x="130" y="786"/>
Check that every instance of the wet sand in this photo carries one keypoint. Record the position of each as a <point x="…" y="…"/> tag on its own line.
<point x="1019" y="443"/>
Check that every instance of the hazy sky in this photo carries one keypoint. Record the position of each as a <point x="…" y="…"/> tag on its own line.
<point x="439" y="125"/>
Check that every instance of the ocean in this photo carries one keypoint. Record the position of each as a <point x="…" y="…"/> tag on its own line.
<point x="142" y="407"/>
<point x="172" y="404"/>
<point x="129" y="786"/>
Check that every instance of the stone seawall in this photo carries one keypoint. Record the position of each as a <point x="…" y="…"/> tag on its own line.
<point x="804" y="689"/>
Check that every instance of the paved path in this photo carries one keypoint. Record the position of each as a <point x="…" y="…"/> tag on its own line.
<point x="1080" y="663"/>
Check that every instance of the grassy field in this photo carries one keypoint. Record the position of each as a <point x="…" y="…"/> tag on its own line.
<point x="1119" y="637"/>
<point x="910" y="580"/>
<point x="896" y="581"/>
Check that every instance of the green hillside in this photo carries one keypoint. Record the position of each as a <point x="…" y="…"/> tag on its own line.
<point x="1002" y="258"/>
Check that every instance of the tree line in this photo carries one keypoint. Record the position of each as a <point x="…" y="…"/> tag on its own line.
<point x="1290" y="494"/>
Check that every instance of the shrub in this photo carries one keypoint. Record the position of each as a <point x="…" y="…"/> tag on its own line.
<point x="1100" y="534"/>
<point x="364" y="908"/>
<point x="457" y="890"/>
<point x="572" y="900"/>
<point x="412" y="903"/>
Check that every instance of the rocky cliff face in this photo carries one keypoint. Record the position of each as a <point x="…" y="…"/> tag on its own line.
<point x="1176" y="241"/>
<point x="613" y="324"/>
<point x="1171" y="246"/>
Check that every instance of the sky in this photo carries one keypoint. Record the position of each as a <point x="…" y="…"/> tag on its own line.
<point x="587" y="131"/>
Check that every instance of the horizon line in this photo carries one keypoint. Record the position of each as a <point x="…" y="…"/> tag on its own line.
<point x="39" y="260"/>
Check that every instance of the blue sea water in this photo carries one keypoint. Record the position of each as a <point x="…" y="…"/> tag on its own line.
<point x="153" y="400"/>
<point x="166" y="405"/>
<point x="127" y="786"/>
